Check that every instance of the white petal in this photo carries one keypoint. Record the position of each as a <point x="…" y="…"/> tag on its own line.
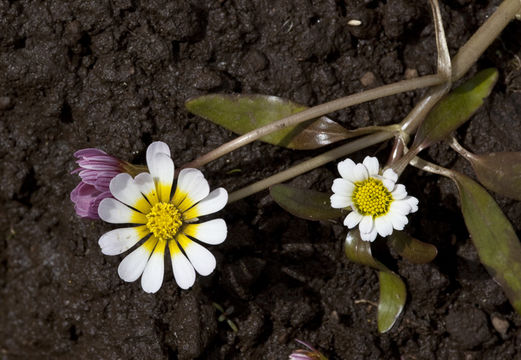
<point x="118" y="241"/>
<point x="399" y="221"/>
<point x="352" y="219"/>
<point x="132" y="266"/>
<point x="345" y="168"/>
<point x="192" y="187"/>
<point x="114" y="212"/>
<point x="155" y="148"/>
<point x="360" y="173"/>
<point x="161" y="168"/>
<point x="146" y="186"/>
<point x="389" y="184"/>
<point x="370" y="236"/>
<point x="124" y="189"/>
<point x="202" y="260"/>
<point x="399" y="192"/>
<point x="390" y="174"/>
<point x="214" y="202"/>
<point x="400" y="207"/>
<point x="366" y="224"/>
<point x="212" y="232"/>
<point x="413" y="203"/>
<point x="372" y="165"/>
<point x="383" y="225"/>
<point x="152" y="278"/>
<point x="343" y="187"/>
<point x="184" y="272"/>
<point x="340" y="202"/>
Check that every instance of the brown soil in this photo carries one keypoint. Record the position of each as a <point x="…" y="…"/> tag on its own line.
<point x="115" y="75"/>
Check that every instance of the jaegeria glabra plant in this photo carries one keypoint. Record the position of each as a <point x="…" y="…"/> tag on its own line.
<point x="377" y="204"/>
<point x="284" y="123"/>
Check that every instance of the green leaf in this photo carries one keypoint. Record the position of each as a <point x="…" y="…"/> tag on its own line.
<point x="493" y="236"/>
<point x="392" y="300"/>
<point x="393" y="293"/>
<point x="499" y="172"/>
<point x="304" y="203"/>
<point x="455" y="109"/>
<point x="244" y="113"/>
<point x="359" y="251"/>
<point x="412" y="249"/>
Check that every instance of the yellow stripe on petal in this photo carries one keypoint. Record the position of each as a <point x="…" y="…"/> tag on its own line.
<point x="138" y="218"/>
<point x="173" y="248"/>
<point x="164" y="191"/>
<point x="179" y="196"/>
<point x="142" y="205"/>
<point x="150" y="244"/>
<point x="142" y="231"/>
<point x="183" y="241"/>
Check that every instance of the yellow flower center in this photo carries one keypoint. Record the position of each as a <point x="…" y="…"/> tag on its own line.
<point x="164" y="220"/>
<point x="371" y="197"/>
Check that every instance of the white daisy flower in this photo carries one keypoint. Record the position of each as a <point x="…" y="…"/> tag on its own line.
<point x="162" y="219"/>
<point x="378" y="204"/>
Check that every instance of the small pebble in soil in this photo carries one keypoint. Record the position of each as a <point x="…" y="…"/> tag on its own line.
<point x="5" y="102"/>
<point x="368" y="79"/>
<point x="501" y="325"/>
<point x="411" y="73"/>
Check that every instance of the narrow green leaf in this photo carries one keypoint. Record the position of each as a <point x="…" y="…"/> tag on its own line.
<point x="496" y="241"/>
<point x="392" y="289"/>
<point x="412" y="249"/>
<point x="499" y="172"/>
<point x="392" y="300"/>
<point x="304" y="203"/>
<point x="244" y="113"/>
<point x="455" y="109"/>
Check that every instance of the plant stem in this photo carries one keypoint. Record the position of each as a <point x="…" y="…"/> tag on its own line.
<point x="464" y="59"/>
<point x="455" y="145"/>
<point x="311" y="164"/>
<point x="430" y="167"/>
<point x="315" y="112"/>
<point x="444" y="66"/>
<point x="467" y="55"/>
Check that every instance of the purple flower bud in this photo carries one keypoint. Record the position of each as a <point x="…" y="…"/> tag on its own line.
<point x="96" y="170"/>
<point x="310" y="354"/>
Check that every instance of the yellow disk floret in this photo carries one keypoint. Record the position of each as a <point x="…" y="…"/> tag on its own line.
<point x="164" y="220"/>
<point x="371" y="197"/>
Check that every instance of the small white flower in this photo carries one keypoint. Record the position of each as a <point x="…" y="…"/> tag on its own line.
<point x="162" y="219"/>
<point x="378" y="204"/>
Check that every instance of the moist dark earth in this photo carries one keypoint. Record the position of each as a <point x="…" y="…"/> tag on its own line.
<point x="115" y="75"/>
